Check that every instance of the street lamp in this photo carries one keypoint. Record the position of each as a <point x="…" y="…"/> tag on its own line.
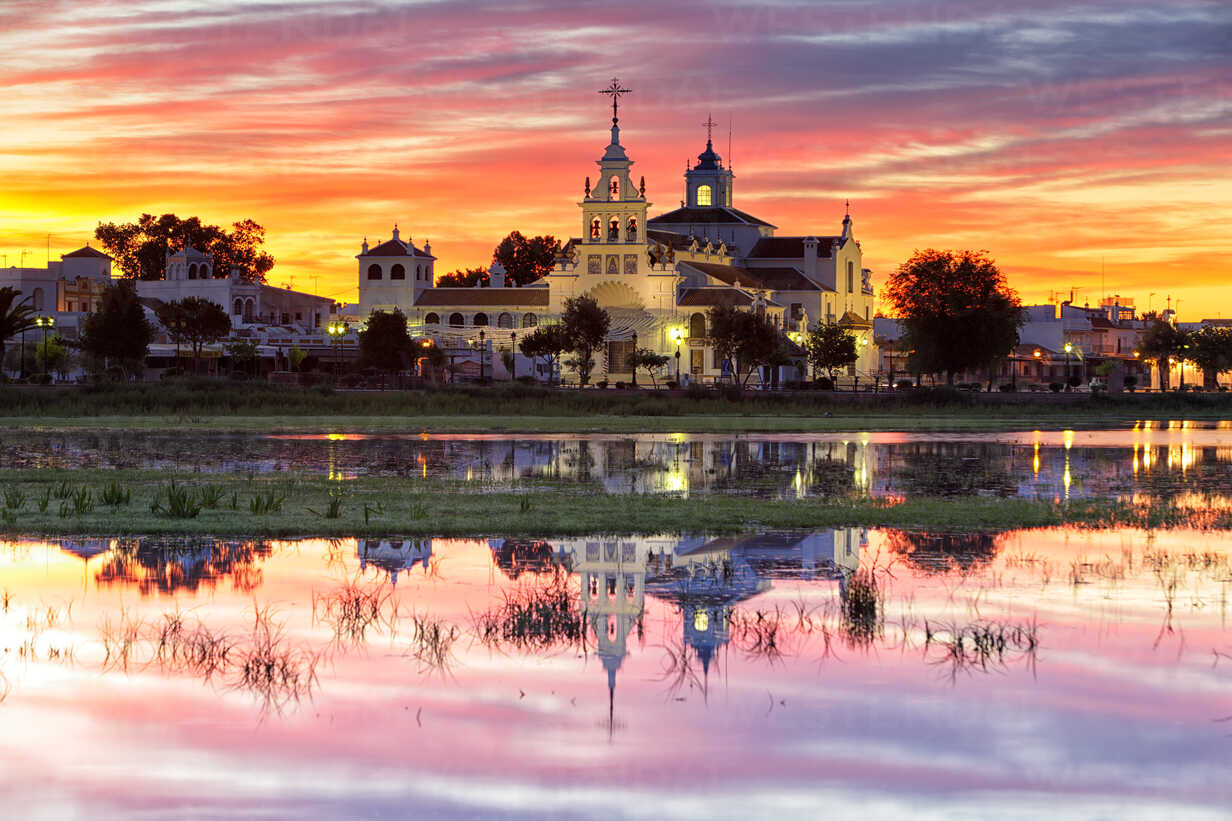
<point x="635" y="359"/>
<point x="336" y="331"/>
<point x="513" y="359"/>
<point x="1068" y="348"/>
<point x="482" y="351"/>
<point x="45" y="322"/>
<point x="677" y="335"/>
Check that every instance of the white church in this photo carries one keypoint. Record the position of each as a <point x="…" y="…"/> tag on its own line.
<point x="655" y="276"/>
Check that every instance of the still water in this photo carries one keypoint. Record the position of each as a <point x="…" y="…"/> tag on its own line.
<point x="874" y="672"/>
<point x="1183" y="462"/>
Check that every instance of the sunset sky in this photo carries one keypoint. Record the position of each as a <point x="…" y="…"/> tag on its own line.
<point x="1062" y="137"/>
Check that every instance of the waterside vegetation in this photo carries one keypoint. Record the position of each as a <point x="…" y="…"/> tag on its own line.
<point x="206" y="404"/>
<point x="157" y="503"/>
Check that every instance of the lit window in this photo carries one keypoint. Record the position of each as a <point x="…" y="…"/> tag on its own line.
<point x="703" y="195"/>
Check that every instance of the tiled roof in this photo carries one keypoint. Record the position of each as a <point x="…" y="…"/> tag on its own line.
<point x="394" y="248"/>
<point x="784" y="279"/>
<point x="853" y="320"/>
<point x="708" y="216"/>
<point x="86" y="252"/>
<point x="771" y="279"/>
<point x="483" y="297"/>
<point x="726" y="273"/>
<point x="670" y="238"/>
<point x="709" y="297"/>
<point x="788" y="248"/>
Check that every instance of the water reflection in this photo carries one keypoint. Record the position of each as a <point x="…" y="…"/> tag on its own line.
<point x="1173" y="463"/>
<point x="848" y="663"/>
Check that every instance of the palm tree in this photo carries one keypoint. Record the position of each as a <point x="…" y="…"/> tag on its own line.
<point x="15" y="316"/>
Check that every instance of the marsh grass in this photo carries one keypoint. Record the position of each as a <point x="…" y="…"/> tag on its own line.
<point x="270" y="668"/>
<point x="441" y="507"/>
<point x="534" y="617"/>
<point x="14" y="498"/>
<point x="862" y="611"/>
<point x="762" y="634"/>
<point x="981" y="646"/>
<point x="432" y="642"/>
<point x="354" y="609"/>
<point x="114" y="495"/>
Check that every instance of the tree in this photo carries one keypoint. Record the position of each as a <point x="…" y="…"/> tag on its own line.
<point x="16" y="316"/>
<point x="118" y="333"/>
<point x="956" y="309"/>
<point x="140" y="248"/>
<point x="828" y="348"/>
<point x="526" y="259"/>
<point x="468" y="278"/>
<point x="746" y="338"/>
<point x="586" y="326"/>
<point x="1161" y="341"/>
<point x="243" y="353"/>
<point x="546" y="341"/>
<point x="385" y="343"/>
<point x="1210" y="348"/>
<point x="52" y="356"/>
<point x="195" y="321"/>
<point x="648" y="359"/>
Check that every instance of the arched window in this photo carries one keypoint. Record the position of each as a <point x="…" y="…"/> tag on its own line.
<point x="374" y="271"/>
<point x="529" y="320"/>
<point x="203" y="272"/>
<point x="703" y="195"/>
<point x="238" y="309"/>
<point x="851" y="276"/>
<point x="418" y="272"/>
<point x="697" y="326"/>
<point x="613" y="230"/>
<point x="192" y="271"/>
<point x="455" y="319"/>
<point x="432" y="319"/>
<point x="614" y="188"/>
<point x="397" y="272"/>
<point x="480" y="320"/>
<point x="505" y="320"/>
<point x="631" y="230"/>
<point x="248" y="310"/>
<point x="38" y="299"/>
<point x="595" y="227"/>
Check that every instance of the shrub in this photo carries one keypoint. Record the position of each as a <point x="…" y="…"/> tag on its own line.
<point x="1006" y="387"/>
<point x="602" y="383"/>
<point x="904" y="385"/>
<point x="824" y="383"/>
<point x="1055" y="387"/>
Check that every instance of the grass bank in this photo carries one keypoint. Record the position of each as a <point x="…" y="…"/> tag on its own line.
<point x="212" y="405"/>
<point x="123" y="503"/>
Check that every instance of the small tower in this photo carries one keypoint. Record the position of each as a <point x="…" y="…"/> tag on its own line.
<point x="614" y="210"/>
<point x="392" y="274"/>
<point x="708" y="184"/>
<point x="189" y="263"/>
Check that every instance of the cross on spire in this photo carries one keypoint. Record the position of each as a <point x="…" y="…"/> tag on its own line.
<point x="615" y="90"/>
<point x="709" y="126"/>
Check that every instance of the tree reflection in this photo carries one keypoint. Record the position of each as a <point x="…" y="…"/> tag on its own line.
<point x="155" y="566"/>
<point x="943" y="552"/>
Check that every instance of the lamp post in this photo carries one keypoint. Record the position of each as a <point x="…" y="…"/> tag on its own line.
<point x="513" y="358"/>
<point x="635" y="359"/>
<point x="45" y="322"/>
<point x="1068" y="348"/>
<point x="336" y="331"/>
<point x="22" y="362"/>
<point x="482" y="351"/>
<point x="677" y="336"/>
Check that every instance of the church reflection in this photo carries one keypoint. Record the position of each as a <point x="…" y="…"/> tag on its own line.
<point x="702" y="578"/>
